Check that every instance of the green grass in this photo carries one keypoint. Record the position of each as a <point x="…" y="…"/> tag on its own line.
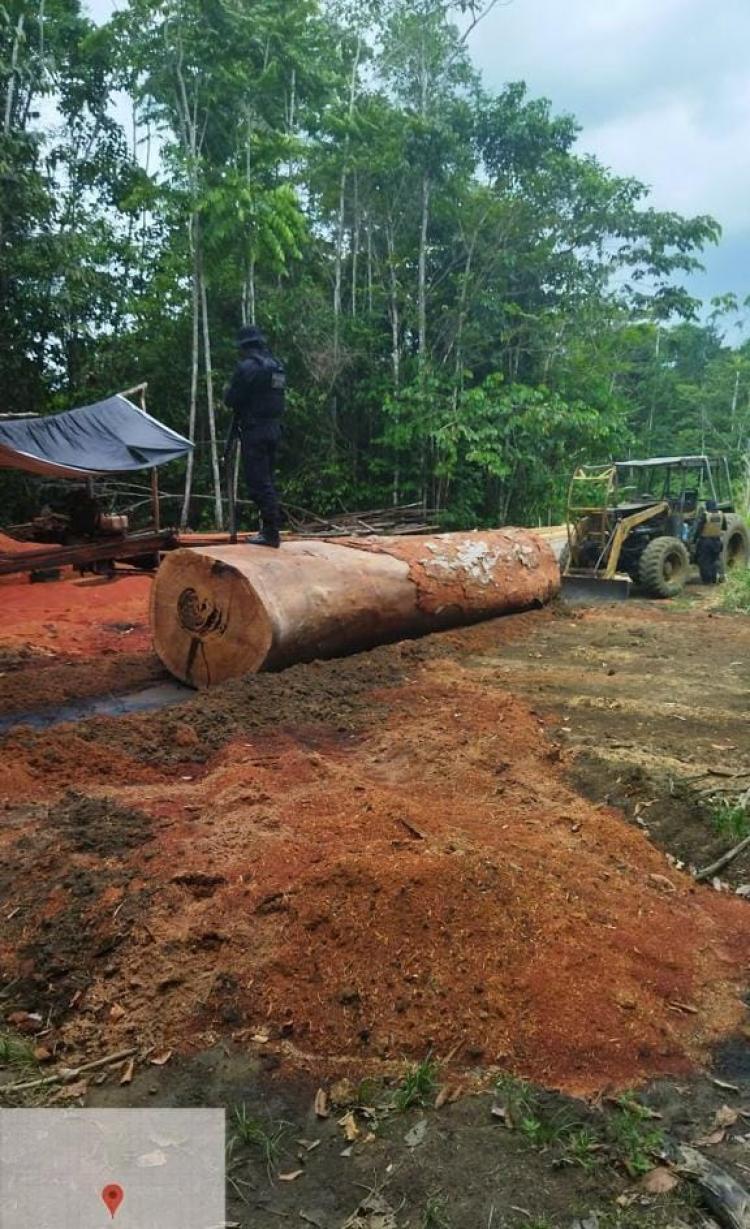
<point x="518" y="1098"/>
<point x="581" y="1148"/>
<point x="266" y="1138"/>
<point x="731" y="819"/>
<point x="633" y="1139"/>
<point x="16" y="1051"/>
<point x="543" y="1130"/>
<point x="434" y="1215"/>
<point x="735" y="592"/>
<point x="417" y="1087"/>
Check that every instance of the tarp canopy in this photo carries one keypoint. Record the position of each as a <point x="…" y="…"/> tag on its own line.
<point x="109" y="437"/>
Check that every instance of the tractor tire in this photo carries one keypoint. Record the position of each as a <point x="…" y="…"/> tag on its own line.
<point x="736" y="549"/>
<point x="664" y="567"/>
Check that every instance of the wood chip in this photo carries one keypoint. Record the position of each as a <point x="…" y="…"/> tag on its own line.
<point x="127" y="1072"/>
<point x="116" y="1012"/>
<point x="160" y="1058"/>
<point x="291" y="1177"/>
<point x="321" y="1103"/>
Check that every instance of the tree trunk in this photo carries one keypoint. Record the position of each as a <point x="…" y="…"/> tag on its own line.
<point x="218" y="510"/>
<point x="192" y="413"/>
<point x="11" y="94"/>
<point x="221" y="612"/>
<point x="355" y="244"/>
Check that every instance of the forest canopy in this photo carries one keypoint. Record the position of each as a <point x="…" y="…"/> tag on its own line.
<point x="467" y="304"/>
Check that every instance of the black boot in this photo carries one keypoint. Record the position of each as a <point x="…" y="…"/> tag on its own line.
<point x="266" y="537"/>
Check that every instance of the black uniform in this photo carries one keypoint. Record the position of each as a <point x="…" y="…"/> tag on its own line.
<point x="257" y="396"/>
<point x="709" y="545"/>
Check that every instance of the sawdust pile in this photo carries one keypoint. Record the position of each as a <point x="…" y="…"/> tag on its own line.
<point x="402" y="868"/>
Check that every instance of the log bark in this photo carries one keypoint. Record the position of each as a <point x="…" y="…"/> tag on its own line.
<point x="223" y="611"/>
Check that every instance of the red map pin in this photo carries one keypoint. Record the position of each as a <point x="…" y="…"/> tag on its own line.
<point x="113" y="1196"/>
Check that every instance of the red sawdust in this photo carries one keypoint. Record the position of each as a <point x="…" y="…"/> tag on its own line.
<point x="428" y="883"/>
<point x="65" y="617"/>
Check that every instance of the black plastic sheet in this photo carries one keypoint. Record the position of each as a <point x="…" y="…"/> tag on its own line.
<point x="110" y="437"/>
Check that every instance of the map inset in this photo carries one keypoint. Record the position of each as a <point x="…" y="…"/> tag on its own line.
<point x="92" y="1169"/>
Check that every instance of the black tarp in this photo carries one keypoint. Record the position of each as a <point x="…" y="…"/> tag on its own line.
<point x="109" y="437"/>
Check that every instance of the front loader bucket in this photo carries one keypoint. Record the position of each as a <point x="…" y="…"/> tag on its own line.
<point x="587" y="588"/>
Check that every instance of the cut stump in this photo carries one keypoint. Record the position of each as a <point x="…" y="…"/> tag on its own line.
<point x="222" y="611"/>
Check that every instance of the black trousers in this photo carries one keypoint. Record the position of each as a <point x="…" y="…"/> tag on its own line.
<point x="708" y="555"/>
<point x="258" y="463"/>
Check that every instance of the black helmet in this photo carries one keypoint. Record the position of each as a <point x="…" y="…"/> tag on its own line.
<point x="250" y="335"/>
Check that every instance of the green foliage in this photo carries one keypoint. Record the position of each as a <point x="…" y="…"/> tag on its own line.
<point x="633" y="1139"/>
<point x="735" y="593"/>
<point x="16" y="1051"/>
<point x="731" y="819"/>
<point x="417" y="1086"/>
<point x="434" y="1214"/>
<point x="267" y="1138"/>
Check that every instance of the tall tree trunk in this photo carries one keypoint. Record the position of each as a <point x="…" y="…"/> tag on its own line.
<point x="355" y="243"/>
<point x="422" y="272"/>
<point x="11" y="91"/>
<point x="194" y="357"/>
<point x="369" y="263"/>
<point x="340" y="231"/>
<point x="218" y="509"/>
<point x="393" y="312"/>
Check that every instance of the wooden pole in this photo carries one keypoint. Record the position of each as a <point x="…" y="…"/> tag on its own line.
<point x="222" y="611"/>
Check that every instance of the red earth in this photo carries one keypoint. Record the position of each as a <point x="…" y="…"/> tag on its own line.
<point x="346" y="864"/>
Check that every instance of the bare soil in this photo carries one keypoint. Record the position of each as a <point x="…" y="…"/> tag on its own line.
<point x="466" y="846"/>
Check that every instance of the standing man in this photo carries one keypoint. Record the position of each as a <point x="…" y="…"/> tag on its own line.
<point x="708" y="544"/>
<point x="257" y="395"/>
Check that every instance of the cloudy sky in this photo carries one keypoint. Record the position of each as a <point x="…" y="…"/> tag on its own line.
<point x="661" y="89"/>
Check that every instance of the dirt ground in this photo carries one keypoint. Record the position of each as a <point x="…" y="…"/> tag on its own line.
<point x="473" y="847"/>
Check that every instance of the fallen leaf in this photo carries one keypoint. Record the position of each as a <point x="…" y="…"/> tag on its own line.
<point x="116" y="1012"/>
<point x="726" y="1116"/>
<point x="707" y="1141"/>
<point x="42" y="1054"/>
<point x="346" y="1151"/>
<point x="321" y="1104"/>
<point x="127" y="1072"/>
<point x="160" y="1058"/>
<point x="71" y="1092"/>
<point x="349" y="1125"/>
<point x="659" y="1181"/>
<point x="417" y="1135"/>
<point x="309" y="1145"/>
<point x="500" y="1111"/>
<point x="291" y="1177"/>
<point x="261" y="1038"/>
<point x="343" y="1093"/>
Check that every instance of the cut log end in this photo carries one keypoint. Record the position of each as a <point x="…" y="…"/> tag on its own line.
<point x="208" y="622"/>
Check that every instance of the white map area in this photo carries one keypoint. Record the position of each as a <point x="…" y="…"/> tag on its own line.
<point x="54" y="1165"/>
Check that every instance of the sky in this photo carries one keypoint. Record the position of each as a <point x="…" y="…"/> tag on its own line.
<point x="661" y="89"/>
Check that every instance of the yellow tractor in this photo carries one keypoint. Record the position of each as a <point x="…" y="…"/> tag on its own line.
<point x="633" y="522"/>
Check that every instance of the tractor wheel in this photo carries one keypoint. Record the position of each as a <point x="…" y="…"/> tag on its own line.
<point x="736" y="553"/>
<point x="664" y="567"/>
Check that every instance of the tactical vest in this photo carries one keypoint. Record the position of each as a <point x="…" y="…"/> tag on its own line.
<point x="713" y="525"/>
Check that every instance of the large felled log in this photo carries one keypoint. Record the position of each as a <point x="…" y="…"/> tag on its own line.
<point x="222" y="611"/>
